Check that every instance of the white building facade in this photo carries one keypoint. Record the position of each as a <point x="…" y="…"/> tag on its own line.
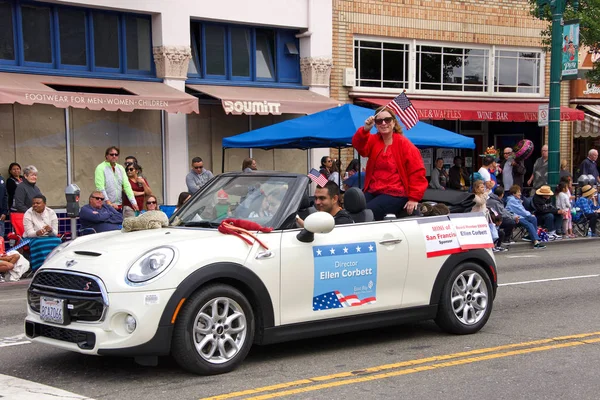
<point x="164" y="81"/>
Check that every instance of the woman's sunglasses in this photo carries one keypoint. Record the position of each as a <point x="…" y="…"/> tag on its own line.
<point x="150" y="202"/>
<point x="130" y="169"/>
<point x="387" y="120"/>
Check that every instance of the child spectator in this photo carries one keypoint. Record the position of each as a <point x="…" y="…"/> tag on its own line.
<point x="563" y="202"/>
<point x="497" y="221"/>
<point x="480" y="197"/>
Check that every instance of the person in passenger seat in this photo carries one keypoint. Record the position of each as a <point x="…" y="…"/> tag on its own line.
<point x="327" y="199"/>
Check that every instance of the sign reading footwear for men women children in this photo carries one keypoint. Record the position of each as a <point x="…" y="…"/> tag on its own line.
<point x="447" y="234"/>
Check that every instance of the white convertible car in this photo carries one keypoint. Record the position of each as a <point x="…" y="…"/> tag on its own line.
<point x="205" y="297"/>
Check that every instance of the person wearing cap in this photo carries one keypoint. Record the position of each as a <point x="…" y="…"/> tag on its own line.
<point x="588" y="204"/>
<point x="547" y="214"/>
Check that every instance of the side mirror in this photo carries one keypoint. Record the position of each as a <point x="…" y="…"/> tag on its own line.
<point x="319" y="222"/>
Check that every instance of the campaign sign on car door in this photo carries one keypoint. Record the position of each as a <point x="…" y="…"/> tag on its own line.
<point x="440" y="237"/>
<point x="473" y="231"/>
<point x="345" y="275"/>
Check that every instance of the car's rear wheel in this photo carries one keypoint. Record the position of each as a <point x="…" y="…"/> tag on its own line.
<point x="466" y="300"/>
<point x="214" y="331"/>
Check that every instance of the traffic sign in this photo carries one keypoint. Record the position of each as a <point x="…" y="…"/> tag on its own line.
<point x="543" y="115"/>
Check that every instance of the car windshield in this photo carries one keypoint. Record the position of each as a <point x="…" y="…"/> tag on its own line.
<point x="251" y="197"/>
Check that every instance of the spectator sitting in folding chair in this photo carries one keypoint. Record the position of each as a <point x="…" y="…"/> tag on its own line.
<point x="526" y="219"/>
<point x="589" y="206"/>
<point x="495" y="204"/>
<point x="547" y="214"/>
<point x="41" y="225"/>
<point x="99" y="216"/>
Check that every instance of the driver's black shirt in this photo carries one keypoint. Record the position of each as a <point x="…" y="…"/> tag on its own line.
<point x="342" y="217"/>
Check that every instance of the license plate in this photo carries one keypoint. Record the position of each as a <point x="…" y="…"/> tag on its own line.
<point x="52" y="310"/>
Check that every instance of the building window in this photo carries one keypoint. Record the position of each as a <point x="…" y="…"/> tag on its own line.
<point x="381" y="64"/>
<point x="233" y="52"/>
<point x="7" y="38"/>
<point x="517" y="72"/>
<point x="139" y="43"/>
<point x="37" y="45"/>
<point x="452" y="69"/>
<point x="215" y="50"/>
<point x="72" y="27"/>
<point x="106" y="40"/>
<point x="33" y="38"/>
<point x="265" y="54"/>
<point x="240" y="52"/>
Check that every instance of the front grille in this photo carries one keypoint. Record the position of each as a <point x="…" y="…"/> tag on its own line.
<point x="85" y="298"/>
<point x="85" y="340"/>
<point x="66" y="282"/>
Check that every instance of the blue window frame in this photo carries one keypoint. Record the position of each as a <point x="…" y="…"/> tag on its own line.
<point x="39" y="37"/>
<point x="258" y="56"/>
<point x="8" y="38"/>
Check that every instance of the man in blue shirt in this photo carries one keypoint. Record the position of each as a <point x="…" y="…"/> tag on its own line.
<point x="100" y="216"/>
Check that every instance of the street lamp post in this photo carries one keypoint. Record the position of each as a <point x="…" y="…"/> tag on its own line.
<point x="558" y="8"/>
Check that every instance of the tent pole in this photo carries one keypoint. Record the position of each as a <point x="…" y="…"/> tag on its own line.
<point x="339" y="182"/>
<point x="223" y="161"/>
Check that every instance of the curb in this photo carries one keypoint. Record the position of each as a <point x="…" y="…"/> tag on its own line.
<point x="522" y="243"/>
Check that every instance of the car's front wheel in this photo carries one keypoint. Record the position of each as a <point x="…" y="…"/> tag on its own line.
<point x="214" y="331"/>
<point x="466" y="301"/>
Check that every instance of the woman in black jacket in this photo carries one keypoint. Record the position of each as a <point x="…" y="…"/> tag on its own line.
<point x="14" y="178"/>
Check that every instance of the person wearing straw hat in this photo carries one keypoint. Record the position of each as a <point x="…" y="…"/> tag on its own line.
<point x="588" y="204"/>
<point x="546" y="213"/>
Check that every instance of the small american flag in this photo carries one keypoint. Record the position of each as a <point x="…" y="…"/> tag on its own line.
<point x="317" y="177"/>
<point x="405" y="110"/>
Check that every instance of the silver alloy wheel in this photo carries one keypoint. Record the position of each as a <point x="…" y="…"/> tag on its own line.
<point x="469" y="297"/>
<point x="219" y="330"/>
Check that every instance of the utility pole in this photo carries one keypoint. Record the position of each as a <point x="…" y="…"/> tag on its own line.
<point x="558" y="8"/>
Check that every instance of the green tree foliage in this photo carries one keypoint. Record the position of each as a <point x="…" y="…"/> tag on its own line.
<point x="588" y="14"/>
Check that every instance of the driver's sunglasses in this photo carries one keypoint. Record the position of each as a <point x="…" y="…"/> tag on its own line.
<point x="387" y="120"/>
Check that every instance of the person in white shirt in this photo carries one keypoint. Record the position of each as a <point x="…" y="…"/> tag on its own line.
<point x="488" y="163"/>
<point x="40" y="220"/>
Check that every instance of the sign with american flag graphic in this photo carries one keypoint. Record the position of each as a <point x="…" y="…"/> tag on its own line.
<point x="345" y="275"/>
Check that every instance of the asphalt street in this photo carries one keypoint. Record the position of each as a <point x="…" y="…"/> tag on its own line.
<point x="542" y="341"/>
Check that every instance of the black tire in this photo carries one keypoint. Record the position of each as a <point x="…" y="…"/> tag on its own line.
<point x="213" y="330"/>
<point x="476" y="310"/>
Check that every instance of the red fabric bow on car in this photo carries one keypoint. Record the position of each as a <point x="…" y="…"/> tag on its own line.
<point x="241" y="227"/>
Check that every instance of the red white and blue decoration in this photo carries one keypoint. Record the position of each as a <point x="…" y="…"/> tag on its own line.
<point x="404" y="110"/>
<point x="345" y="275"/>
<point x="317" y="177"/>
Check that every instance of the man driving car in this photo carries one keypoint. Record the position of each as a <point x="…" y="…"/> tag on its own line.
<point x="327" y="200"/>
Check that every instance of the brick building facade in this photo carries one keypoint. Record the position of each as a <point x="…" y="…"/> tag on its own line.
<point x="496" y="29"/>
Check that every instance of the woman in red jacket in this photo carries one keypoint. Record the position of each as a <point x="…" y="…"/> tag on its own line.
<point x="395" y="177"/>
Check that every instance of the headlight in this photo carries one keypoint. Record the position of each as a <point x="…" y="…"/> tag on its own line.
<point x="58" y="249"/>
<point x="150" y="264"/>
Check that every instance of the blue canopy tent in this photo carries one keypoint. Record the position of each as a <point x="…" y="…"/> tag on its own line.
<point x="335" y="128"/>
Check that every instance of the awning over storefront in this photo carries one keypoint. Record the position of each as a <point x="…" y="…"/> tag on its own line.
<point x="480" y="111"/>
<point x="94" y="94"/>
<point x="263" y="101"/>
<point x="590" y="126"/>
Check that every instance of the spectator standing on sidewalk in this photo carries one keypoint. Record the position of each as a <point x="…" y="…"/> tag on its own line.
<point x="526" y="219"/>
<point x="458" y="176"/>
<point x="140" y="188"/>
<point x="198" y="176"/>
<point x="539" y="177"/>
<point x="513" y="171"/>
<point x="3" y="204"/>
<point x="111" y="180"/>
<point x="439" y="176"/>
<point x="589" y="166"/>
<point x="563" y="202"/>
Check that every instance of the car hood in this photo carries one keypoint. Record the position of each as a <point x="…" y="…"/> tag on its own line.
<point x="109" y="255"/>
